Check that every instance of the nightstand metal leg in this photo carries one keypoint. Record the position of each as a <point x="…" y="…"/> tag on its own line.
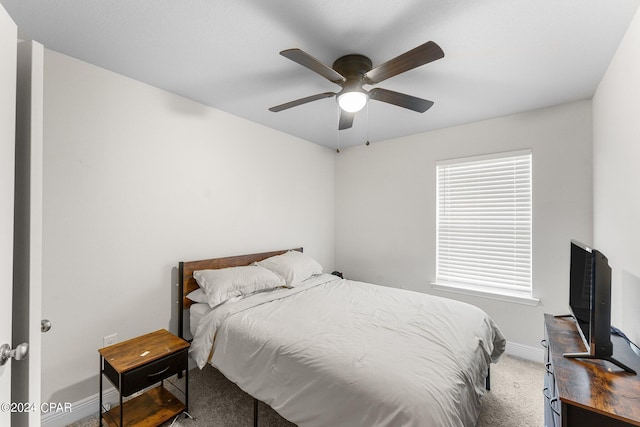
<point x="121" y="402"/>
<point x="186" y="389"/>
<point x="255" y="412"/>
<point x="100" y="403"/>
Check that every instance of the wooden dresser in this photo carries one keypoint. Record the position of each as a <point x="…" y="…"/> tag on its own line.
<point x="587" y="393"/>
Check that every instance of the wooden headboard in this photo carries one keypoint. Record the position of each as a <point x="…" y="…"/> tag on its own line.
<point x="188" y="284"/>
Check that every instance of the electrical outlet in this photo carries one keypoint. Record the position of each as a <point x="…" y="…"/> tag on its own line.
<point x="110" y="339"/>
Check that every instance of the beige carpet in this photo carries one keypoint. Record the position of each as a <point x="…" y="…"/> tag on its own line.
<point x="515" y="399"/>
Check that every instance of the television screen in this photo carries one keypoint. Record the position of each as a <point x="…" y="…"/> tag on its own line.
<point x="581" y="281"/>
<point x="590" y="297"/>
<point x="590" y="303"/>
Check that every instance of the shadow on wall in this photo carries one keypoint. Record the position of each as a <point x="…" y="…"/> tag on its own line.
<point x="174" y="320"/>
<point x="186" y="107"/>
<point x="631" y="306"/>
<point x="80" y="390"/>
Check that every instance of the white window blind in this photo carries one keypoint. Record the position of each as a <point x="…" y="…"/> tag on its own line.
<point x="484" y="223"/>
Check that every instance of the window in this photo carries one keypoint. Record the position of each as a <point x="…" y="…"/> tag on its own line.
<point x="484" y="224"/>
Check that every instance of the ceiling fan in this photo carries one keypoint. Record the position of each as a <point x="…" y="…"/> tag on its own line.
<point x="352" y="72"/>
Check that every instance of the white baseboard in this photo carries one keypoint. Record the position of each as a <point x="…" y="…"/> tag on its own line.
<point x="525" y="352"/>
<point x="89" y="405"/>
<point x="81" y="409"/>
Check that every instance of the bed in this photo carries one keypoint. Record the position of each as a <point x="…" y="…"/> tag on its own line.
<point x="337" y="352"/>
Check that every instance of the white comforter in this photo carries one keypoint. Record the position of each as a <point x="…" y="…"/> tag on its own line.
<point x="335" y="352"/>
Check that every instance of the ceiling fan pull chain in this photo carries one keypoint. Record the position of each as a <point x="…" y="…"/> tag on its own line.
<point x="367" y="142"/>
<point x="339" y="113"/>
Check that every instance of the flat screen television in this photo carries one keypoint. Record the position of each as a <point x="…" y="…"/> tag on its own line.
<point x="590" y="302"/>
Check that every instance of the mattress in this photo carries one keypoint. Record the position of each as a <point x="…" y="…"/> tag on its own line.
<point x="196" y="312"/>
<point x="347" y="353"/>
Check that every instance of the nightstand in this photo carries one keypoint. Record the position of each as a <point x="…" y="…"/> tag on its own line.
<point x="136" y="365"/>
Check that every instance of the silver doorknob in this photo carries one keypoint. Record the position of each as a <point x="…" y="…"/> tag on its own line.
<point x="45" y="325"/>
<point x="18" y="353"/>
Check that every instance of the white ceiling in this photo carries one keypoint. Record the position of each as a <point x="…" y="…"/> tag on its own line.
<point x="501" y="56"/>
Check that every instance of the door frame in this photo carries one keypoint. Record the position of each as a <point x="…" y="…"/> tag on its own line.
<point x="27" y="265"/>
<point x="8" y="47"/>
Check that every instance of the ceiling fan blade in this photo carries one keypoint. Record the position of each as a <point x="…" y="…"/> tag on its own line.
<point x="416" y="57"/>
<point x="346" y="120"/>
<point x="400" y="99"/>
<point x="306" y="60"/>
<point x="301" y="101"/>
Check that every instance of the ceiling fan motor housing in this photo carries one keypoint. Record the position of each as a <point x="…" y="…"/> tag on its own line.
<point x="352" y="67"/>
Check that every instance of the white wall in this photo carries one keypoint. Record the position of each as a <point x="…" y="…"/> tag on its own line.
<point x="616" y="153"/>
<point x="386" y="206"/>
<point x="137" y="179"/>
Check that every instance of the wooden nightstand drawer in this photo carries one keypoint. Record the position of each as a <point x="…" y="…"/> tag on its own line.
<point x="147" y="375"/>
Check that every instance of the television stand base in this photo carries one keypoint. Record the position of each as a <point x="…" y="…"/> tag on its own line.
<point x="607" y="358"/>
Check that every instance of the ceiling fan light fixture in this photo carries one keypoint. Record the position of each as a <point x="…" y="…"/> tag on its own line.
<point x="353" y="101"/>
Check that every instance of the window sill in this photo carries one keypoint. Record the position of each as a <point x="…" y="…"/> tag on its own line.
<point x="507" y="296"/>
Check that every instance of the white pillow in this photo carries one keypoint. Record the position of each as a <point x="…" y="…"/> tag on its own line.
<point x="197" y="296"/>
<point x="221" y="284"/>
<point x="293" y="266"/>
